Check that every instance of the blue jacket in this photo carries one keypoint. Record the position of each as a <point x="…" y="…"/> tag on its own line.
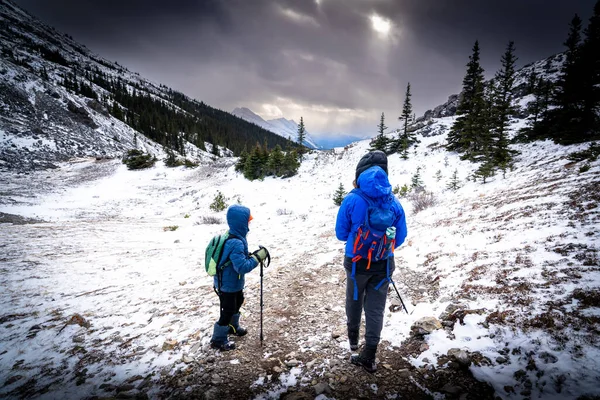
<point x="374" y="183"/>
<point x="236" y="251"/>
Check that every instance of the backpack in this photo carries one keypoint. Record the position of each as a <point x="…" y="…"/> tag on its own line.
<point x="213" y="253"/>
<point x="376" y="236"/>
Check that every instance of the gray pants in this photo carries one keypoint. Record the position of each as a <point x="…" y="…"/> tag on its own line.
<point x="373" y="302"/>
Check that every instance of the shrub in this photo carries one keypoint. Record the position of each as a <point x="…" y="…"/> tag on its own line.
<point x="401" y="191"/>
<point x="170" y="228"/>
<point x="584" y="168"/>
<point x="136" y="159"/>
<point x="210" y="220"/>
<point x="422" y="200"/>
<point x="218" y="203"/>
<point x="591" y="153"/>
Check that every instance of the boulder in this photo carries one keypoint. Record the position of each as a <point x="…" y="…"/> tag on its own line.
<point x="460" y="356"/>
<point x="425" y="326"/>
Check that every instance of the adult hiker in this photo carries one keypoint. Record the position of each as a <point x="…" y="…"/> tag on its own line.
<point x="368" y="277"/>
<point x="234" y="264"/>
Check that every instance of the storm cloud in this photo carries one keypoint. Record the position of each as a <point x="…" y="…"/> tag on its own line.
<point x="322" y="60"/>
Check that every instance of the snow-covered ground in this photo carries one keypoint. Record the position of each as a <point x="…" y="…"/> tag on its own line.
<point x="124" y="251"/>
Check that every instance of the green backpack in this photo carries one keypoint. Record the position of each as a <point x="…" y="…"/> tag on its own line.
<point x="213" y="253"/>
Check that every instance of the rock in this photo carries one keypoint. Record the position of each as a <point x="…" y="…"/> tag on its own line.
<point x="404" y="373"/>
<point x="423" y="347"/>
<point x="212" y="394"/>
<point x="297" y="396"/>
<point x="335" y="335"/>
<point x="79" y="338"/>
<point x="277" y="369"/>
<point x="125" y="388"/>
<point x="321" y="388"/>
<point x="501" y="360"/>
<point x="187" y="359"/>
<point x="548" y="358"/>
<point x="451" y="389"/>
<point x="425" y="326"/>
<point x="460" y="356"/>
<point x="169" y="345"/>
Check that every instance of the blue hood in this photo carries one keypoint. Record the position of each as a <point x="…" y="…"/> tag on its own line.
<point x="237" y="219"/>
<point x="374" y="183"/>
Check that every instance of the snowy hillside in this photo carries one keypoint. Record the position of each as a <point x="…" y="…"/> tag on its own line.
<point x="104" y="293"/>
<point x="58" y="100"/>
<point x="281" y="126"/>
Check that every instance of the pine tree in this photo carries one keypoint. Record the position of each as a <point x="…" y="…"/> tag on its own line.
<point x="276" y="161"/>
<point x="466" y="133"/>
<point x="503" y="108"/>
<point x="454" y="183"/>
<point x="405" y="139"/>
<point x="301" y="135"/>
<point x="381" y="141"/>
<point x="416" y="181"/>
<point x="485" y="170"/>
<point x="291" y="164"/>
<point x="590" y="59"/>
<point x="339" y="195"/>
<point x="562" y="123"/>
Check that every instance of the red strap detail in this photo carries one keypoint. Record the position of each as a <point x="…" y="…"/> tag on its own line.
<point x="369" y="263"/>
<point x="355" y="259"/>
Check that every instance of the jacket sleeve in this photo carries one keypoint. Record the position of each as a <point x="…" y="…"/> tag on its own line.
<point x="343" y="223"/>
<point x="241" y="261"/>
<point x="401" y="230"/>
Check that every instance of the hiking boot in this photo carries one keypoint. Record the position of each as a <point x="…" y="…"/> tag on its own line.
<point x="219" y="339"/>
<point x="235" y="328"/>
<point x="237" y="332"/>
<point x="353" y="339"/>
<point x="365" y="359"/>
<point x="223" y="346"/>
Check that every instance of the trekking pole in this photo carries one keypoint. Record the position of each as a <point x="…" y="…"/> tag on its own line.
<point x="398" y="293"/>
<point x="261" y="303"/>
<point x="261" y="291"/>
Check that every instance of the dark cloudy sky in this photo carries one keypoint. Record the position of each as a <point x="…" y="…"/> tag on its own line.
<point x="320" y="59"/>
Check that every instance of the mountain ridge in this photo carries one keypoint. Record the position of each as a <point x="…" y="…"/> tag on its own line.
<point x="281" y="126"/>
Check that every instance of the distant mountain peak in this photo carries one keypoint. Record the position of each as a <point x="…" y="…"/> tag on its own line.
<point x="281" y="126"/>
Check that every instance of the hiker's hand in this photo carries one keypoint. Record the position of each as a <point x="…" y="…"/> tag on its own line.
<point x="261" y="254"/>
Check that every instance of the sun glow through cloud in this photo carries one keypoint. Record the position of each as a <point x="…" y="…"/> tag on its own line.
<point x="381" y="25"/>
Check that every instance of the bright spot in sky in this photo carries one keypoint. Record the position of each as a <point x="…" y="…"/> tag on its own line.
<point x="380" y="24"/>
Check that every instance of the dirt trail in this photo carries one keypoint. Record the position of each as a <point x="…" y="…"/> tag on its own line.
<point x="305" y="342"/>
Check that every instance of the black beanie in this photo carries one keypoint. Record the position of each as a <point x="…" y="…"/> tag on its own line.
<point x="371" y="159"/>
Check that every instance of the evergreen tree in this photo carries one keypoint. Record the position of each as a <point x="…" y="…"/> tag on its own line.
<point x="485" y="170"/>
<point x="276" y="161"/>
<point x="239" y="166"/>
<point x="454" y="183"/>
<point x="381" y="141"/>
<point x="291" y="164"/>
<point x="590" y="59"/>
<point x="503" y="108"/>
<point x="301" y="134"/>
<point x="405" y="139"/>
<point x="253" y="168"/>
<point x="563" y="122"/>
<point x="416" y="181"/>
<point x="339" y="195"/>
<point x="470" y="128"/>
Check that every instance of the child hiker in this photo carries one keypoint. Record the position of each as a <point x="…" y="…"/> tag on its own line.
<point x="235" y="262"/>
<point x="368" y="277"/>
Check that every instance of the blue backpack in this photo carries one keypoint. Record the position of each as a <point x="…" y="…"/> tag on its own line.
<point x="376" y="236"/>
